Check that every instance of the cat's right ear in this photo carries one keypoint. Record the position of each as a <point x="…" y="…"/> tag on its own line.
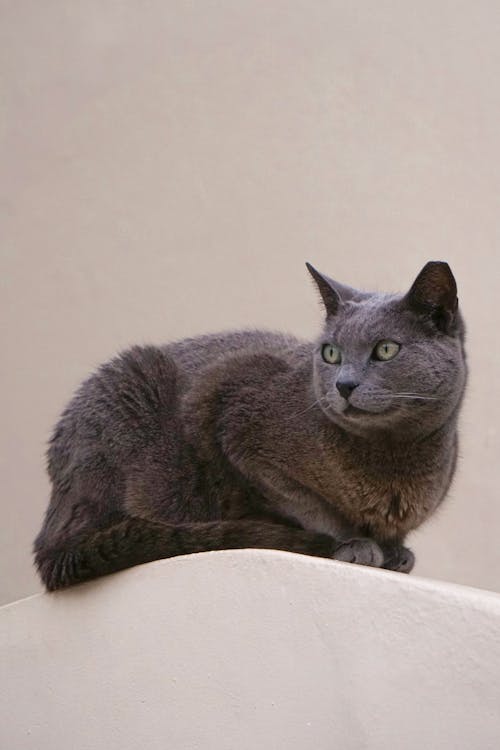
<point x="434" y="294"/>
<point x="329" y="295"/>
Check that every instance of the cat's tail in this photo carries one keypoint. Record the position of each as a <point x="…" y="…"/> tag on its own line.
<point x="135" y="541"/>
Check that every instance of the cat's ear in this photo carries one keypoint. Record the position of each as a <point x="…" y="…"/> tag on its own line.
<point x="329" y="295"/>
<point x="346" y="293"/>
<point x="434" y="294"/>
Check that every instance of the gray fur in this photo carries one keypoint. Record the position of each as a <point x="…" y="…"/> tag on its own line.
<point x="243" y="440"/>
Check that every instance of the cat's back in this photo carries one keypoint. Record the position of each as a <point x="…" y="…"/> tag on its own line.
<point x="191" y="355"/>
<point x="121" y="405"/>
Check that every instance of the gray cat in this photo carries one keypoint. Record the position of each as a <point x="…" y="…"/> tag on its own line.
<point x="336" y="448"/>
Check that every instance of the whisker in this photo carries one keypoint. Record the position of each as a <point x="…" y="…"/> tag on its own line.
<point x="412" y="396"/>
<point x="421" y="398"/>
<point x="415" y="395"/>
<point x="323" y="398"/>
<point x="404" y="394"/>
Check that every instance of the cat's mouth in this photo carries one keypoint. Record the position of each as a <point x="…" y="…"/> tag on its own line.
<point x="355" y="411"/>
<point x="348" y="411"/>
<point x="352" y="411"/>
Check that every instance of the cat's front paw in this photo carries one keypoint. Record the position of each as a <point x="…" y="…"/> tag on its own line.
<point x="399" y="558"/>
<point x="360" y="551"/>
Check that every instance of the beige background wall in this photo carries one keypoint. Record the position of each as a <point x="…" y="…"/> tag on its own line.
<point x="169" y="166"/>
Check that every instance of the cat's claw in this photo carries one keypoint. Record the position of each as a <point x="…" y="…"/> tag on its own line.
<point x="360" y="551"/>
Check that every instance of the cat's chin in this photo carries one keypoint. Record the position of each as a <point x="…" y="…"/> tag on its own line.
<point x="357" y="418"/>
<point x="355" y="415"/>
<point x="351" y="410"/>
<point x="355" y="411"/>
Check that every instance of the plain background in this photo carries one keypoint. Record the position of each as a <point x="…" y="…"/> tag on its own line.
<point x="169" y="166"/>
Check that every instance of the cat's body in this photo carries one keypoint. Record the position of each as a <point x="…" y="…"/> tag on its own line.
<point x="242" y="440"/>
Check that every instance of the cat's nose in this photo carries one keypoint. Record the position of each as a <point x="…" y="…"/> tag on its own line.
<point x="346" y="387"/>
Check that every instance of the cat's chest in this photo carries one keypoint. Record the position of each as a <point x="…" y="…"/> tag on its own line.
<point x="392" y="505"/>
<point x="384" y="494"/>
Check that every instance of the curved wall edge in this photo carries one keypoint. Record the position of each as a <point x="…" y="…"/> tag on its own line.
<point x="251" y="648"/>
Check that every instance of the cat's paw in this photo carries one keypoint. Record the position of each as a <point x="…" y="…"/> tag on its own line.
<point x="399" y="558"/>
<point x="360" y="551"/>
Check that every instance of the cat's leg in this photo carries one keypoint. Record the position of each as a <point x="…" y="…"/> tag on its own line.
<point x="312" y="514"/>
<point x="398" y="558"/>
<point x="135" y="541"/>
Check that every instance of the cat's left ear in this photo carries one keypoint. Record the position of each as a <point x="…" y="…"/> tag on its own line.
<point x="333" y="293"/>
<point x="434" y="294"/>
<point x="329" y="295"/>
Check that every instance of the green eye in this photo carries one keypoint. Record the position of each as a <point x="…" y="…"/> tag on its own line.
<point x="331" y="354"/>
<point x="386" y="350"/>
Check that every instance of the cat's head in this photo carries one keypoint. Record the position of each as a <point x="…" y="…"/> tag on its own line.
<point x="387" y="361"/>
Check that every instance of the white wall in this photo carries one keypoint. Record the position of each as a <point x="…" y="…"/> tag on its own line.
<point x="248" y="650"/>
<point x="168" y="167"/>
